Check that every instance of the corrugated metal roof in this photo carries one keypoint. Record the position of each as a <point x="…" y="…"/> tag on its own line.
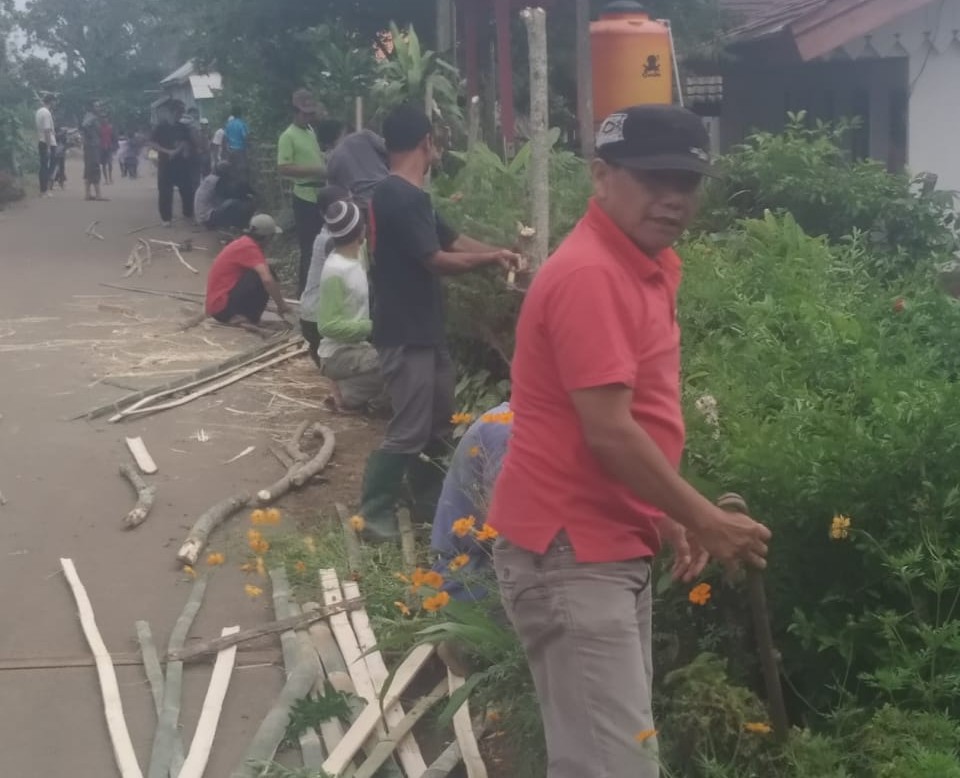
<point x="768" y="17"/>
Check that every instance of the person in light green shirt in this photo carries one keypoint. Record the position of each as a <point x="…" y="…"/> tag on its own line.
<point x="346" y="355"/>
<point x="300" y="159"/>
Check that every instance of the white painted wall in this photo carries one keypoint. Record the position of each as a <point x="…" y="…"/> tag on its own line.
<point x="934" y="125"/>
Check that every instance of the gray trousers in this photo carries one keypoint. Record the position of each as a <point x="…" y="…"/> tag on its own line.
<point x="586" y="631"/>
<point x="356" y="372"/>
<point x="421" y="382"/>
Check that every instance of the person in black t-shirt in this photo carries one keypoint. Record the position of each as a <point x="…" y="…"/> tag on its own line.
<point x="412" y="247"/>
<point x="174" y="144"/>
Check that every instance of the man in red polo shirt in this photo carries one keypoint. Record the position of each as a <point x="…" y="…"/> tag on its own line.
<point x="590" y="483"/>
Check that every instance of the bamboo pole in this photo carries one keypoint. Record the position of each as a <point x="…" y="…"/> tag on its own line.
<point x="466" y="737"/>
<point x="202" y="743"/>
<point x="350" y="539"/>
<point x="161" y="756"/>
<point x="536" y="22"/>
<point x="154" y="673"/>
<point x="112" y="704"/>
<point x="145" y="497"/>
<point x="585" y="80"/>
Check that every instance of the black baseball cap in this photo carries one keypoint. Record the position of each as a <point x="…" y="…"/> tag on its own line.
<point x="655" y="137"/>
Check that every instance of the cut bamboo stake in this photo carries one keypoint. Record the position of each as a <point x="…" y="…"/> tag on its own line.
<point x="536" y="22"/>
<point x="350" y="539"/>
<point x="112" y="704"/>
<point x="332" y="670"/>
<point x="202" y="743"/>
<point x="214" y="387"/>
<point x="408" y="542"/>
<point x="154" y="673"/>
<point x="399" y="732"/>
<point x="300" y="474"/>
<point x="145" y="497"/>
<point x="162" y="754"/>
<point x="181" y="384"/>
<point x="466" y="737"/>
<point x="272" y="628"/>
<point x="407" y="750"/>
<point x="91" y="231"/>
<point x="367" y="722"/>
<point x="293" y="647"/>
<point x="209" y="520"/>
<point x="175" y="248"/>
<point x="139" y="450"/>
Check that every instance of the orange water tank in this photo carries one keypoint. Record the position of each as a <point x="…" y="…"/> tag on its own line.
<point x="632" y="61"/>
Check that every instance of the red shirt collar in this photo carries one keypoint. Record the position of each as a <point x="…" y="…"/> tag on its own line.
<point x="624" y="249"/>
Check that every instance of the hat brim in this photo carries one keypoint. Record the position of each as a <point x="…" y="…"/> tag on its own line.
<point x="681" y="162"/>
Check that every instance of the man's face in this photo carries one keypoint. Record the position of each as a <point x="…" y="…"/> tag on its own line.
<point x="652" y="207"/>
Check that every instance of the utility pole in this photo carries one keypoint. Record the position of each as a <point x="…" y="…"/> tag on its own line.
<point x="584" y="79"/>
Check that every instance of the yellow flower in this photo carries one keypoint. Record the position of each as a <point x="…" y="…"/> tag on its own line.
<point x="402" y="607"/>
<point x="311" y="544"/>
<point x="300" y="567"/>
<point x="700" y="594"/>
<point x="216" y="559"/>
<point x="254" y="534"/>
<point x="358" y="523"/>
<point x="259" y="546"/>
<point x="258" y="517"/>
<point x="645" y="735"/>
<point x="462" y="527"/>
<point x="459" y="561"/>
<point x="190" y="571"/>
<point x="475" y="451"/>
<point x="487" y="533"/>
<point x="758" y="727"/>
<point x="272" y="516"/>
<point x="260" y="567"/>
<point x="253" y="591"/>
<point x="498" y="418"/>
<point x="840" y="527"/>
<point x="435" y="603"/>
<point x="461" y="418"/>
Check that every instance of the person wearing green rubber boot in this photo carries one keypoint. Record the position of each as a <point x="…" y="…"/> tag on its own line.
<point x="412" y="247"/>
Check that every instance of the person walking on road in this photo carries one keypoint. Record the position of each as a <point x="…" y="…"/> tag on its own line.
<point x="590" y="486"/>
<point x="47" y="143"/>
<point x="240" y="283"/>
<point x="90" y="129"/>
<point x="173" y="142"/>
<point x="300" y="159"/>
<point x="412" y="248"/>
<point x="108" y="147"/>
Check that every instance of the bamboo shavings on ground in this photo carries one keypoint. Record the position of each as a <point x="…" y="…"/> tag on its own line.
<point x="145" y="497"/>
<point x="293" y="647"/>
<point x="154" y="673"/>
<point x="162" y="755"/>
<point x="113" y="705"/>
<point x="199" y="755"/>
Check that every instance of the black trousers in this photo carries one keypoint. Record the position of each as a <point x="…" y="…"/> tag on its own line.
<point x="232" y="213"/>
<point x="47" y="166"/>
<point x="248" y="298"/>
<point x="311" y="334"/>
<point x="309" y="222"/>
<point x="179" y="177"/>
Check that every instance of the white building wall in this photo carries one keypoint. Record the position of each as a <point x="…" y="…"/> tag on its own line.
<point x="933" y="142"/>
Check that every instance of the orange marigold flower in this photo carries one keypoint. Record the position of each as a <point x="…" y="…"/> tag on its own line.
<point x="758" y="727"/>
<point x="259" y="546"/>
<point x="254" y="534"/>
<point x="358" y="523"/>
<point x="252" y="591"/>
<point x="402" y="607"/>
<point x="300" y="567"/>
<point x="190" y="571"/>
<point x="462" y="527"/>
<point x="461" y="418"/>
<point x="840" y="527"/>
<point x="475" y="451"/>
<point x="216" y="558"/>
<point x="459" y="561"/>
<point x="258" y="517"/>
<point x="700" y="594"/>
<point x="645" y="735"/>
<point x="435" y="603"/>
<point x="272" y="516"/>
<point x="498" y="418"/>
<point x="487" y="533"/>
<point x="428" y="578"/>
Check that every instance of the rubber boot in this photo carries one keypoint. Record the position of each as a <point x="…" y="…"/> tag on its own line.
<point x="382" y="489"/>
<point x="425" y="481"/>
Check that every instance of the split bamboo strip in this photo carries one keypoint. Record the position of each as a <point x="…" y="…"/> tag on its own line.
<point x="292" y="646"/>
<point x="399" y="732"/>
<point x="142" y="457"/>
<point x="408" y="542"/>
<point x="161" y="756"/>
<point x="407" y="750"/>
<point x="202" y="743"/>
<point x="350" y="539"/>
<point x="367" y="722"/>
<point x="154" y="673"/>
<point x="466" y="737"/>
<point x="112" y="704"/>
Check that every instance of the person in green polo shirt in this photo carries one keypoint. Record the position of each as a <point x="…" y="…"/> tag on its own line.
<point x="300" y="159"/>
